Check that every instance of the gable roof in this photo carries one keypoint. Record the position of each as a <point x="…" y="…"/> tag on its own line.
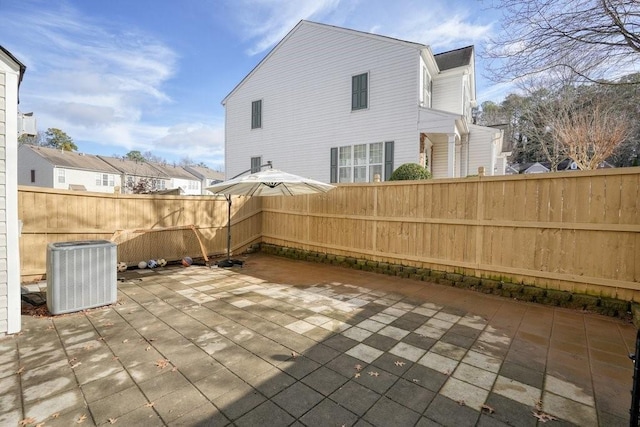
<point x="332" y="27"/>
<point x="71" y="159"/>
<point x="175" y="171"/>
<point x="20" y="65"/>
<point x="205" y="173"/>
<point x="454" y="58"/>
<point x="134" y="168"/>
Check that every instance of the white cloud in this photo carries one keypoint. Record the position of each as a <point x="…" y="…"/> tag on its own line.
<point x="268" y="21"/>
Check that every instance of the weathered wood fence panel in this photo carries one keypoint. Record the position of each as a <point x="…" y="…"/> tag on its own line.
<point x="144" y="226"/>
<point x="575" y="231"/>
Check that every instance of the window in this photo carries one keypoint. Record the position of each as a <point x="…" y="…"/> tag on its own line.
<point x="33" y="175"/>
<point x="426" y="88"/>
<point x="359" y="91"/>
<point x="344" y="164"/>
<point x="255" y="164"/>
<point x="105" y="180"/>
<point x="61" y="176"/>
<point x="256" y="114"/>
<point x="362" y="162"/>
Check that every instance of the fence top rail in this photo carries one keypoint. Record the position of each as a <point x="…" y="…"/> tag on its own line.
<point x="530" y="176"/>
<point x="32" y="189"/>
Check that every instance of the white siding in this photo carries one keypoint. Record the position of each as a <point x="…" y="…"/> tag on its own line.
<point x="439" y="159"/>
<point x="484" y="150"/>
<point x="86" y="178"/>
<point x="28" y="161"/>
<point x="184" y="184"/>
<point x="9" y="229"/>
<point x="305" y="88"/>
<point x="447" y="92"/>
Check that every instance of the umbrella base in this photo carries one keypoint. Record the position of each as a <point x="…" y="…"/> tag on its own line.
<point x="227" y="263"/>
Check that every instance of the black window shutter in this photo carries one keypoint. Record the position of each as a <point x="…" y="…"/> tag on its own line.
<point x="333" y="175"/>
<point x="388" y="159"/>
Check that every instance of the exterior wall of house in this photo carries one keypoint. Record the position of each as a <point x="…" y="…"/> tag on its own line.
<point x="305" y="88"/>
<point x="482" y="153"/>
<point x="439" y="157"/>
<point x="189" y="186"/>
<point x="87" y="178"/>
<point x="28" y="161"/>
<point x="448" y="92"/>
<point x="9" y="225"/>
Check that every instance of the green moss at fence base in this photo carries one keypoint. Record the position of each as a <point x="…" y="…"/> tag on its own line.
<point x="496" y="285"/>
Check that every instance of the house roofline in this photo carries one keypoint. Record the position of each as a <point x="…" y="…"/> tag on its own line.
<point x="21" y="66"/>
<point x="317" y="24"/>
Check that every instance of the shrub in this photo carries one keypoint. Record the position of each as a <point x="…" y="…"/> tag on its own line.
<point x="410" y="172"/>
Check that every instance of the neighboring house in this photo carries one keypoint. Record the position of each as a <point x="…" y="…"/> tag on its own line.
<point x="11" y="74"/>
<point x="207" y="177"/>
<point x="339" y="105"/>
<point x="180" y="177"/>
<point x="138" y="174"/>
<point x="67" y="170"/>
<point x="536" y="167"/>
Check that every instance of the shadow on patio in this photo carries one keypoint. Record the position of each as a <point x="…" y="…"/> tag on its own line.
<point x="282" y="342"/>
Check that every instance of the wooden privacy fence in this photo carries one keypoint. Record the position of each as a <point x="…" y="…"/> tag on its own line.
<point x="144" y="226"/>
<point x="573" y="231"/>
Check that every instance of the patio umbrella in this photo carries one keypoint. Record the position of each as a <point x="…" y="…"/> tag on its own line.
<point x="270" y="182"/>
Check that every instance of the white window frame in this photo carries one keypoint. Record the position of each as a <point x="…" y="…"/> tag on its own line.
<point x="426" y="87"/>
<point x="61" y="176"/>
<point x="348" y="165"/>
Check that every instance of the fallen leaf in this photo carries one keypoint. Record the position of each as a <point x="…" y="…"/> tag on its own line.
<point x="415" y="380"/>
<point x="487" y="408"/>
<point x="294" y="354"/>
<point x="108" y="324"/>
<point x="175" y="368"/>
<point x="373" y="373"/>
<point x="150" y="404"/>
<point x="542" y="417"/>
<point x="461" y="402"/>
<point x="75" y="365"/>
<point x="56" y="415"/>
<point x="356" y="375"/>
<point x="101" y="339"/>
<point x="27" y="421"/>
<point x="162" y="363"/>
<point x="115" y="358"/>
<point x="539" y="406"/>
<point x="112" y="420"/>
<point x="126" y="340"/>
<point x="82" y="419"/>
<point x="358" y="367"/>
<point x="40" y="425"/>
<point x="148" y="348"/>
<point x="20" y="371"/>
<point x="73" y="359"/>
<point x="400" y="363"/>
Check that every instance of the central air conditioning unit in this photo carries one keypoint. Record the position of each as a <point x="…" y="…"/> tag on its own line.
<point x="81" y="275"/>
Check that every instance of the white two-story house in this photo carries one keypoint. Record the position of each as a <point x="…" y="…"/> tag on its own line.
<point x="339" y="105"/>
<point x="66" y="170"/>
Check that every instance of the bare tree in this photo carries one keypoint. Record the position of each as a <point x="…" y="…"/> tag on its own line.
<point x="589" y="133"/>
<point x="587" y="39"/>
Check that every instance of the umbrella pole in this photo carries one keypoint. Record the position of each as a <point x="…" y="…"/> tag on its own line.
<point x="228" y="227"/>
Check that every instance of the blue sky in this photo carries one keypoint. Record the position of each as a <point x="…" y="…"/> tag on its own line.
<point x="150" y="75"/>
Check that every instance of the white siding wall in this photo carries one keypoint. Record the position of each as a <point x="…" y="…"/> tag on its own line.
<point x="86" y="178"/>
<point x="29" y="160"/>
<point x="447" y="92"/>
<point x="9" y="229"/>
<point x="439" y="160"/>
<point x="484" y="150"/>
<point x="184" y="184"/>
<point x="305" y="88"/>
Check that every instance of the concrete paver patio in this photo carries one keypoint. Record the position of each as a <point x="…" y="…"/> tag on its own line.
<point x="283" y="342"/>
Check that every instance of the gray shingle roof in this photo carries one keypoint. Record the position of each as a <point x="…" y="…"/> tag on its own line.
<point x="72" y="160"/>
<point x="134" y="168"/>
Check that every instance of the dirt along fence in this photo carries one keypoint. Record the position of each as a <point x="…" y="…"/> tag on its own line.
<point x="571" y="231"/>
<point x="144" y="226"/>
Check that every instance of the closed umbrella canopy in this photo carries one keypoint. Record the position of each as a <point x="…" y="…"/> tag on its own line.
<point x="270" y="182"/>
